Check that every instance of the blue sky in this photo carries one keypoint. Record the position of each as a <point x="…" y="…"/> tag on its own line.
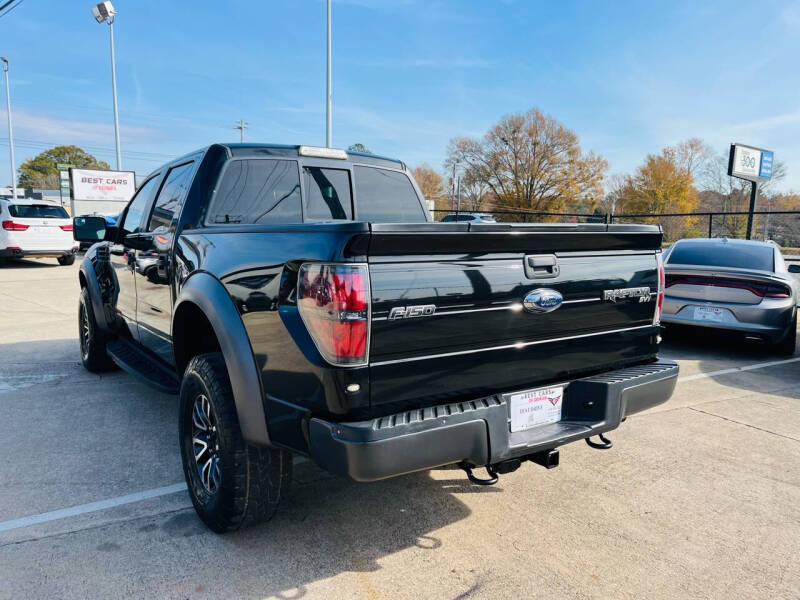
<point x="628" y="77"/>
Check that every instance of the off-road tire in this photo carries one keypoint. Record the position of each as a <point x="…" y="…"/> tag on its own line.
<point x="92" y="340"/>
<point x="67" y="260"/>
<point x="787" y="345"/>
<point x="252" y="479"/>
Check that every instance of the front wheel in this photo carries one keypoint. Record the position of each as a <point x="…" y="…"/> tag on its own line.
<point x="230" y="482"/>
<point x="92" y="339"/>
<point x="67" y="260"/>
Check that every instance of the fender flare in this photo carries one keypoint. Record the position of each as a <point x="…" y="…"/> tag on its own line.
<point x="208" y="294"/>
<point x="96" y="297"/>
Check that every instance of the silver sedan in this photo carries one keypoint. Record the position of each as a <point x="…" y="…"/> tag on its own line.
<point x="737" y="285"/>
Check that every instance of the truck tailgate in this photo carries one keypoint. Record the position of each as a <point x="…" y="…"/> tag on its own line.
<point x="448" y="318"/>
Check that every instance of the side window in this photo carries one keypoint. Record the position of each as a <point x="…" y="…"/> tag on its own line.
<point x="328" y="194"/>
<point x="257" y="191"/>
<point x="387" y="196"/>
<point x="172" y="196"/>
<point x="137" y="206"/>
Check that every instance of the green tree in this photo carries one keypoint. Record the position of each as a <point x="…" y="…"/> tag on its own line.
<point x="41" y="171"/>
<point x="359" y="147"/>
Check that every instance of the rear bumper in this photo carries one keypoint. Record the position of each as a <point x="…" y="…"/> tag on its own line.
<point x="769" y="319"/>
<point x="478" y="431"/>
<point x="20" y="253"/>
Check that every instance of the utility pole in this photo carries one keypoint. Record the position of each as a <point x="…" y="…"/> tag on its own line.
<point x="328" y="129"/>
<point x="10" y="132"/>
<point x="241" y="127"/>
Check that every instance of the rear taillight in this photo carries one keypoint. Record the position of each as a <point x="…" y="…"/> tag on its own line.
<point x="11" y="226"/>
<point x="66" y="227"/>
<point x="334" y="303"/>
<point x="660" y="297"/>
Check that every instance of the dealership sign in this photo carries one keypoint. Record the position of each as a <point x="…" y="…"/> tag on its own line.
<point x="107" y="186"/>
<point x="752" y="164"/>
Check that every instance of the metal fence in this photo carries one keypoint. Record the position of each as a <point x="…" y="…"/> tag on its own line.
<point x="781" y="226"/>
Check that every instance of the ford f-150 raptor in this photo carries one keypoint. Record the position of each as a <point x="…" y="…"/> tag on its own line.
<point x="300" y="301"/>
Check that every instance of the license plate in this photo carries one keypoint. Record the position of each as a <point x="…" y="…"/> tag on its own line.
<point x="533" y="408"/>
<point x="707" y="313"/>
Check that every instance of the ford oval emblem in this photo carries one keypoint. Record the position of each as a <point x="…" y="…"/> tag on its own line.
<point x="542" y="300"/>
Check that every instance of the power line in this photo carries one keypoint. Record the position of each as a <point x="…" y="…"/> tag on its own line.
<point x="132" y="154"/>
<point x="10" y="9"/>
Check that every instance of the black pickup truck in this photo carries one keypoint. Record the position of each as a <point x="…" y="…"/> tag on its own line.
<point x="300" y="301"/>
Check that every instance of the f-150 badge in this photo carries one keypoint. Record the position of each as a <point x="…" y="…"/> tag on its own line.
<point x="642" y="293"/>
<point x="409" y="312"/>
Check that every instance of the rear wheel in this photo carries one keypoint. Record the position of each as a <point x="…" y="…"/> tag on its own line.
<point x="67" y="260"/>
<point x="92" y="339"/>
<point x="787" y="345"/>
<point x="230" y="482"/>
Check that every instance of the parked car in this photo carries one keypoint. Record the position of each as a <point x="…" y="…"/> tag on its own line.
<point x="303" y="304"/>
<point x="468" y="217"/>
<point x="735" y="285"/>
<point x="36" y="229"/>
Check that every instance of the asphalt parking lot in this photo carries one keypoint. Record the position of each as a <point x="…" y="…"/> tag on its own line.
<point x="699" y="498"/>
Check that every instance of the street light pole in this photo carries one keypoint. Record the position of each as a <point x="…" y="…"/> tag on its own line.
<point x="114" y="94"/>
<point x="105" y="13"/>
<point x="10" y="132"/>
<point x="328" y="131"/>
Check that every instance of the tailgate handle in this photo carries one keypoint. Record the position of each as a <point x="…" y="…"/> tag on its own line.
<point x="541" y="266"/>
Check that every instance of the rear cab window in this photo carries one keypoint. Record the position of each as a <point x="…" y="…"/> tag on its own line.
<point x="731" y="255"/>
<point x="37" y="211"/>
<point x="386" y="196"/>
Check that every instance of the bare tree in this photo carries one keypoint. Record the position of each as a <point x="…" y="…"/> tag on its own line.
<point x="531" y="161"/>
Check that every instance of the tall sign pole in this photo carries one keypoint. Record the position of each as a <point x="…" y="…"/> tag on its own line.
<point x="328" y="131"/>
<point x="114" y="93"/>
<point x="10" y="132"/>
<point x="753" y="165"/>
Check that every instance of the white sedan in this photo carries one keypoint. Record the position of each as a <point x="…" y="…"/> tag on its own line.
<point x="36" y="229"/>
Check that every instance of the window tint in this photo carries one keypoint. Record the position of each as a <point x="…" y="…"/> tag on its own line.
<point x="328" y="194"/>
<point x="723" y="254"/>
<point x="386" y="196"/>
<point x="137" y="206"/>
<point x="37" y="211"/>
<point x="171" y="197"/>
<point x="257" y="191"/>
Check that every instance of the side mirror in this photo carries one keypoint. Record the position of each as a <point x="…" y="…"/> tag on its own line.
<point x="794" y="268"/>
<point x="89" y="229"/>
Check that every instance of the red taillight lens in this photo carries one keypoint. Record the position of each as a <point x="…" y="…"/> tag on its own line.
<point x="66" y="227"/>
<point x="11" y="226"/>
<point x="660" y="297"/>
<point x="333" y="300"/>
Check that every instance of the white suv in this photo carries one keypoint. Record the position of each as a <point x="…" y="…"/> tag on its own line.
<point x="35" y="229"/>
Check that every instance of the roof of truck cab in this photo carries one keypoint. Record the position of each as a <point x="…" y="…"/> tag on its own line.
<point x="256" y="150"/>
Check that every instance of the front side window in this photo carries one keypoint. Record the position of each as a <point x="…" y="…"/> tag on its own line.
<point x="257" y="191"/>
<point x="386" y="196"/>
<point x="171" y="197"/>
<point x="37" y="211"/>
<point x="328" y="194"/>
<point x="137" y="206"/>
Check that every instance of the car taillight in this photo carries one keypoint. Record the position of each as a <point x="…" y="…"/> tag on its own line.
<point x="660" y="297"/>
<point x="11" y="226"/>
<point x="66" y="227"/>
<point x="334" y="303"/>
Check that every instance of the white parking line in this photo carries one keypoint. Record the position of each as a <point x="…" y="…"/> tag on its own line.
<point x="761" y="365"/>
<point x="91" y="507"/>
<point x="179" y="487"/>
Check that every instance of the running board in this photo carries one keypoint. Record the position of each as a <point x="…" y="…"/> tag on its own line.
<point x="141" y="365"/>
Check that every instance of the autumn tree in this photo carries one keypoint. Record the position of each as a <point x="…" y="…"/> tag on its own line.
<point x="530" y="161"/>
<point x="41" y="171"/>
<point x="431" y="185"/>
